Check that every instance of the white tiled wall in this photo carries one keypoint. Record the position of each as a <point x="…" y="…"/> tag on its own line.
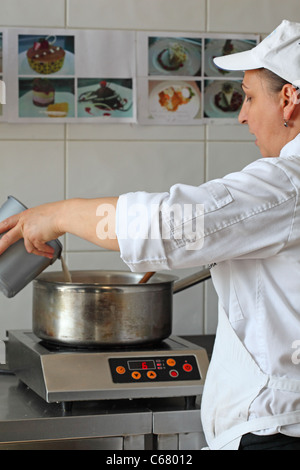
<point x="40" y="163"/>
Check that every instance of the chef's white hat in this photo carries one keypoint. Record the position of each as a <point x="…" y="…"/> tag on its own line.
<point x="279" y="52"/>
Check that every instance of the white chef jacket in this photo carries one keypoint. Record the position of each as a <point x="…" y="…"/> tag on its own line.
<point x="251" y="236"/>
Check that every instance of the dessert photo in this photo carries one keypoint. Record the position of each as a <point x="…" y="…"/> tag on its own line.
<point x="43" y="92"/>
<point x="174" y="56"/>
<point x="46" y="98"/>
<point x="221" y="47"/>
<point x="46" y="55"/>
<point x="174" y="100"/>
<point x="223" y="99"/>
<point x="103" y="97"/>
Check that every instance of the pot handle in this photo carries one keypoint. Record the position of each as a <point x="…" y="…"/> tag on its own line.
<point x="192" y="280"/>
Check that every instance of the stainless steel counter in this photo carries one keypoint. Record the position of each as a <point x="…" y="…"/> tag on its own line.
<point x="25" y="417"/>
<point x="28" y="422"/>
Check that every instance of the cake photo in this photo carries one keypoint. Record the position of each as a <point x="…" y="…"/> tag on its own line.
<point x="43" y="92"/>
<point x="46" y="58"/>
<point x="42" y="98"/>
<point x="104" y="98"/>
<point x="58" y="110"/>
<point x="228" y="48"/>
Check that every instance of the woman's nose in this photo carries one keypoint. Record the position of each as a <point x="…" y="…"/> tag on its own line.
<point x="243" y="114"/>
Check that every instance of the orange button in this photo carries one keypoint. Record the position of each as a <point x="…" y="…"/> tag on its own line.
<point x="120" y="370"/>
<point x="151" y="374"/>
<point x="136" y="375"/>
<point x="171" y="362"/>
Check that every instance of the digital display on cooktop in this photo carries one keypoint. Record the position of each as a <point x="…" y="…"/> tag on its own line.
<point x="141" y="365"/>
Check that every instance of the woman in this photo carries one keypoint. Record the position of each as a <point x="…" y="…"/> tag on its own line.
<point x="250" y="237"/>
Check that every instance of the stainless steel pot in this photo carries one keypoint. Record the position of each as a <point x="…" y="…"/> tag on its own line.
<point x="105" y="308"/>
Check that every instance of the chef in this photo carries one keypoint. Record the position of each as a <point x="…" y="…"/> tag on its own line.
<point x="246" y="226"/>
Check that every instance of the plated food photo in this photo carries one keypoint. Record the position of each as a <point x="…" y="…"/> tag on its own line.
<point x="223" y="98"/>
<point x="105" y="98"/>
<point x="174" y="56"/>
<point x="174" y="100"/>
<point x="43" y="97"/>
<point x="222" y="47"/>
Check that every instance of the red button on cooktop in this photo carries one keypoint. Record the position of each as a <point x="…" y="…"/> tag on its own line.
<point x="187" y="368"/>
<point x="174" y="373"/>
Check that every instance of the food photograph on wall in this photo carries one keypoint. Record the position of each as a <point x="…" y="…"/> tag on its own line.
<point x="120" y="76"/>
<point x="70" y="76"/>
<point x="181" y="82"/>
<point x="42" y="60"/>
<point x="105" y="97"/>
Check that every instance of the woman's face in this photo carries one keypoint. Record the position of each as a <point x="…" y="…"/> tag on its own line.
<point x="263" y="113"/>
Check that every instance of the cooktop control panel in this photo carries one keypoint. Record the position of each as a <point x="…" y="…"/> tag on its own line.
<point x="154" y="369"/>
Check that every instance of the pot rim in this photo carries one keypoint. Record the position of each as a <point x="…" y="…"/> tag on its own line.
<point x="55" y="278"/>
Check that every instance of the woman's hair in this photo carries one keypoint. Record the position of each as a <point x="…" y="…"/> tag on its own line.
<point x="275" y="82"/>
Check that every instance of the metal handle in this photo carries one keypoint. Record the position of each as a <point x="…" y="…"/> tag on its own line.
<point x="191" y="281"/>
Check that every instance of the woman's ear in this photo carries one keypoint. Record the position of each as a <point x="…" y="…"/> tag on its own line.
<point x="288" y="100"/>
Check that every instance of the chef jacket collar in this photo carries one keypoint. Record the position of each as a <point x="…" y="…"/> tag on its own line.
<point x="291" y="148"/>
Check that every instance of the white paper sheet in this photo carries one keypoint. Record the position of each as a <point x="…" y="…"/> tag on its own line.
<point x="178" y="82"/>
<point x="118" y="76"/>
<point x="70" y="76"/>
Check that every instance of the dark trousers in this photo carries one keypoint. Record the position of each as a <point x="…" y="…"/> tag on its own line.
<point x="275" y="442"/>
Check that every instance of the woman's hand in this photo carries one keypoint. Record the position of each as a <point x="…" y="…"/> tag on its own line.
<point x="37" y="226"/>
<point x="80" y="217"/>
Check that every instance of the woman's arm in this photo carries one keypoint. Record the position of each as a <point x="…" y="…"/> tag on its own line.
<point x="90" y="219"/>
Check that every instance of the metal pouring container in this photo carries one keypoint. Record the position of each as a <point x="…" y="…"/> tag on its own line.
<point x="18" y="267"/>
<point x="103" y="309"/>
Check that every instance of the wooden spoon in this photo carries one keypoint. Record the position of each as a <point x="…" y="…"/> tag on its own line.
<point x="146" y="277"/>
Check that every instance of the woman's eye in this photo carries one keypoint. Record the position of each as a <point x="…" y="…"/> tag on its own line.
<point x="248" y="98"/>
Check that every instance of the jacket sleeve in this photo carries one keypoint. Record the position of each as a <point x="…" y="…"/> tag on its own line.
<point x="247" y="214"/>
